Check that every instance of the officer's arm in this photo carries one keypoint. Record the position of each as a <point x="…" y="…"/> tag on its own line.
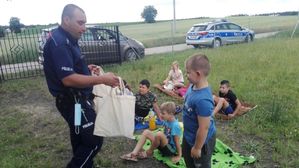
<point x="81" y="81"/>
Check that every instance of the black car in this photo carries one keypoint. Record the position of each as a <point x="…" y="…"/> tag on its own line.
<point x="99" y="45"/>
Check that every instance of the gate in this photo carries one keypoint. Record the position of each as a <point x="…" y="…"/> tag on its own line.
<point x="19" y="55"/>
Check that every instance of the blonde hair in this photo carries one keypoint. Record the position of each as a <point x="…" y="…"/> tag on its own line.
<point x="199" y="62"/>
<point x="169" y="107"/>
<point x="175" y="63"/>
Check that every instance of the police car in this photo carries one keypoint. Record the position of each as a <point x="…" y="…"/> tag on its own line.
<point x="217" y="33"/>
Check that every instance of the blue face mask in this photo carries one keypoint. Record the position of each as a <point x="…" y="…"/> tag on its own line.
<point x="77" y="117"/>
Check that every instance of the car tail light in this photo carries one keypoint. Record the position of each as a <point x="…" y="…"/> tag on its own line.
<point x="203" y="33"/>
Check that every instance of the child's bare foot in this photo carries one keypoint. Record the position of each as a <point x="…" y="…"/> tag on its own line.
<point x="129" y="157"/>
<point x="175" y="159"/>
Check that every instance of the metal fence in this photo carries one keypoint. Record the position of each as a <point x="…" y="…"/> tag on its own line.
<point x="21" y="53"/>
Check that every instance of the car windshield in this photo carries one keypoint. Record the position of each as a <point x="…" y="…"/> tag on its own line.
<point x="198" y="28"/>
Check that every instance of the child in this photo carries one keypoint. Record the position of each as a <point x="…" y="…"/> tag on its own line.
<point x="175" y="77"/>
<point x="145" y="100"/>
<point x="227" y="102"/>
<point x="199" y="128"/>
<point x="168" y="142"/>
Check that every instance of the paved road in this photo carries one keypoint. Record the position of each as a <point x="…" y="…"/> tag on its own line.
<point x="15" y="68"/>
<point x="181" y="47"/>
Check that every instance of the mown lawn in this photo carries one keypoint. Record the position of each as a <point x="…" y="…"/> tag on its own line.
<point x="159" y="33"/>
<point x="265" y="72"/>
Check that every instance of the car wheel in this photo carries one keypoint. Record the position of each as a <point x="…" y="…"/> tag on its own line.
<point x="195" y="45"/>
<point x="216" y="43"/>
<point x="248" y="39"/>
<point x="131" y="55"/>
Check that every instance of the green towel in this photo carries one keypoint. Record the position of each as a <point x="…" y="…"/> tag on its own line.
<point x="223" y="157"/>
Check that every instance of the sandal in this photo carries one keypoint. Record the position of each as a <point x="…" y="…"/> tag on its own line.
<point x="129" y="157"/>
<point x="142" y="155"/>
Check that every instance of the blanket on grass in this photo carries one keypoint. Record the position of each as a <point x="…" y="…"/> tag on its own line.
<point x="245" y="108"/>
<point x="171" y="93"/>
<point x="223" y="156"/>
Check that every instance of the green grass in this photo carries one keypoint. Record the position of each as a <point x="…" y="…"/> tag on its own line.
<point x="159" y="33"/>
<point x="262" y="73"/>
<point x="265" y="72"/>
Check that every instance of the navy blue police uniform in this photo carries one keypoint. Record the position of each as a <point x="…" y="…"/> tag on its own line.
<point x="62" y="57"/>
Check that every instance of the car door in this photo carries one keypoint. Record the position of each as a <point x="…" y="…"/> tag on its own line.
<point x="222" y="32"/>
<point x="236" y="33"/>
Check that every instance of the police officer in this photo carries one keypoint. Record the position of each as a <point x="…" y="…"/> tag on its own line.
<point x="69" y="80"/>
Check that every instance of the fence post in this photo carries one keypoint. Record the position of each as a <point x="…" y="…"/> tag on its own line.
<point x="1" y="73"/>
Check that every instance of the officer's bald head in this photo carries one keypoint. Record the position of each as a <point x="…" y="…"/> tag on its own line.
<point x="69" y="9"/>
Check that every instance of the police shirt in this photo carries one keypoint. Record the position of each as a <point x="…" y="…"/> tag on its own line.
<point x="62" y="57"/>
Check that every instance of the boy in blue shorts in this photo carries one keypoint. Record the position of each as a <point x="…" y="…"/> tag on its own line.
<point x="199" y="128"/>
<point x="227" y="103"/>
<point x="167" y="142"/>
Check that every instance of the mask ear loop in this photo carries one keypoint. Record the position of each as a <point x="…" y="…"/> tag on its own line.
<point x="77" y="130"/>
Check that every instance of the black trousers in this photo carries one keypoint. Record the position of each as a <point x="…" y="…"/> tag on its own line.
<point x="206" y="154"/>
<point x="85" y="145"/>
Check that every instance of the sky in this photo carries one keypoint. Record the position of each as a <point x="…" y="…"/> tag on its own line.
<point x="107" y="11"/>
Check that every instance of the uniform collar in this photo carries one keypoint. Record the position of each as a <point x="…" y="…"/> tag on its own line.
<point x="69" y="36"/>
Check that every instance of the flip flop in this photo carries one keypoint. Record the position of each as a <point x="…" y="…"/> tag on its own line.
<point x="129" y="157"/>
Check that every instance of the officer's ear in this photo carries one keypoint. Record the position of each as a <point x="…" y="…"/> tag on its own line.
<point x="66" y="20"/>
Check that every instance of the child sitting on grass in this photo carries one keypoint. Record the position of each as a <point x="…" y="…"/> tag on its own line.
<point x="175" y="77"/>
<point x="227" y="103"/>
<point x="145" y="100"/>
<point x="167" y="142"/>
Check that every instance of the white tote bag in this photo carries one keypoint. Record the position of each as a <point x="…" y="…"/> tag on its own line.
<point x="115" y="112"/>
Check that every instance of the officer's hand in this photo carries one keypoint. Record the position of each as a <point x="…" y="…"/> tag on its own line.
<point x="110" y="79"/>
<point x="94" y="69"/>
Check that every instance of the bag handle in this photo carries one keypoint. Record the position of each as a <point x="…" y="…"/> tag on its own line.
<point x="121" y="86"/>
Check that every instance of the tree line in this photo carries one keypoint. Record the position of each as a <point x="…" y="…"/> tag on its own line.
<point x="149" y="14"/>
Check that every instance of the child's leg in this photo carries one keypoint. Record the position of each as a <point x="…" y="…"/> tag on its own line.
<point x="159" y="140"/>
<point x="178" y="85"/>
<point x="206" y="154"/>
<point x="221" y="103"/>
<point x="132" y="156"/>
<point x="147" y="134"/>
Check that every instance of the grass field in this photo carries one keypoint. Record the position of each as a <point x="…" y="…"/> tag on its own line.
<point x="23" y="47"/>
<point x="159" y="33"/>
<point x="265" y="73"/>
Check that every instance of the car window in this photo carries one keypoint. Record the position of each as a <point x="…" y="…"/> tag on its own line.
<point x="103" y="34"/>
<point x="87" y="36"/>
<point x="198" y="28"/>
<point x="221" y="27"/>
<point x="233" y="26"/>
<point x="213" y="27"/>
